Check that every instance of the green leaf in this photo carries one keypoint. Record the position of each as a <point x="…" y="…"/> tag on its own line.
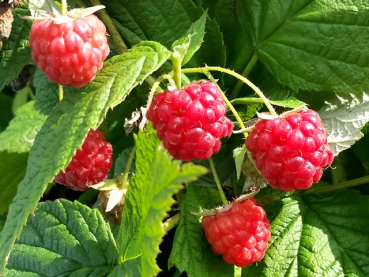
<point x="291" y="102"/>
<point x="21" y="98"/>
<point x="317" y="236"/>
<point x="12" y="171"/>
<point x="68" y="125"/>
<point x="15" y="53"/>
<point x="6" y="113"/>
<point x="192" y="40"/>
<point x="163" y="25"/>
<point x="47" y="96"/>
<point x="121" y="162"/>
<point x="22" y="130"/>
<point x="323" y="58"/>
<point x="343" y="117"/>
<point x="238" y="155"/>
<point x="238" y="45"/>
<point x="64" y="239"/>
<point x="361" y="147"/>
<point x="191" y="252"/>
<point x="149" y="197"/>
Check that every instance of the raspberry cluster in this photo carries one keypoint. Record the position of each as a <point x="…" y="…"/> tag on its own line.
<point x="90" y="165"/>
<point x="191" y="121"/>
<point x="240" y="234"/>
<point x="69" y="53"/>
<point x="290" y="152"/>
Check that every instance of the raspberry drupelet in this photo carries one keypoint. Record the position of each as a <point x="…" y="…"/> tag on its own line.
<point x="90" y="165"/>
<point x="240" y="234"/>
<point x="191" y="121"/>
<point x="290" y="152"/>
<point x="70" y="53"/>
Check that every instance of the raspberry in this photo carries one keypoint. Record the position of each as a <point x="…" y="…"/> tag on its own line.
<point x="191" y="121"/>
<point x="90" y="165"/>
<point x="240" y="234"/>
<point x="290" y="152"/>
<point x="69" y="53"/>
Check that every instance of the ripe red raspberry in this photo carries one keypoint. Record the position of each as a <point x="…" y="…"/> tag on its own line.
<point x="240" y="234"/>
<point x="69" y="53"/>
<point x="290" y="152"/>
<point x="90" y="165"/>
<point x="191" y="121"/>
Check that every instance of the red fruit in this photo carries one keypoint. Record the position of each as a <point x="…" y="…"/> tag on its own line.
<point x="90" y="165"/>
<point x="240" y="234"/>
<point x="290" y="152"/>
<point x="191" y="121"/>
<point x="69" y="53"/>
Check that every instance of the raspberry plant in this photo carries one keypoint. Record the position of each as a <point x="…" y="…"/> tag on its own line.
<point x="267" y="63"/>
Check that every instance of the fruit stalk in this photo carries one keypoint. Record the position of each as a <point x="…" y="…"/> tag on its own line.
<point x="219" y="186"/>
<point x="64" y="9"/>
<point x="170" y="223"/>
<point x="343" y="185"/>
<point x="119" y="43"/>
<point x="128" y="167"/>
<point x="245" y="73"/>
<point x="236" y="75"/>
<point x="177" y="64"/>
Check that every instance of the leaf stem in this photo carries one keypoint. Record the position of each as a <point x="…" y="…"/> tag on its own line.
<point x="119" y="43"/>
<point x="177" y="64"/>
<point x="64" y="8"/>
<point x="236" y="75"/>
<point x="128" y="167"/>
<point x="61" y="93"/>
<point x="219" y="186"/>
<point x="343" y="185"/>
<point x="245" y="73"/>
<point x="171" y="222"/>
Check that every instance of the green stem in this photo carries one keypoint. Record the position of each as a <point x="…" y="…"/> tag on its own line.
<point x="81" y="4"/>
<point x="119" y="43"/>
<point x="343" y="185"/>
<point x="61" y="94"/>
<point x="128" y="167"/>
<point x="219" y="186"/>
<point x="170" y="223"/>
<point x="64" y="8"/>
<point x="177" y="64"/>
<point x="238" y="76"/>
<point x="245" y="73"/>
<point x="155" y="87"/>
<point x="229" y="104"/>
<point x="247" y="101"/>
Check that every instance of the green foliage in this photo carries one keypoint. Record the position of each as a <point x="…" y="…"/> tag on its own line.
<point x="63" y="239"/>
<point x="191" y="252"/>
<point x="15" y="53"/>
<point x="148" y="199"/>
<point x="306" y="52"/>
<point x="325" y="57"/>
<point x="22" y="130"/>
<point x="319" y="235"/>
<point x="67" y="126"/>
<point x="191" y="41"/>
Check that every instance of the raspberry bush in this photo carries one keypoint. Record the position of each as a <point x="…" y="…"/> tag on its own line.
<point x="232" y="144"/>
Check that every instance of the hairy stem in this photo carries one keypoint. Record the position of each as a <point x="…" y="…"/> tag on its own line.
<point x="245" y="73"/>
<point x="343" y="185"/>
<point x="119" y="43"/>
<point x="128" y="167"/>
<point x="64" y="8"/>
<point x="177" y="64"/>
<point x="238" y="76"/>
<point x="170" y="223"/>
<point x="219" y="186"/>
